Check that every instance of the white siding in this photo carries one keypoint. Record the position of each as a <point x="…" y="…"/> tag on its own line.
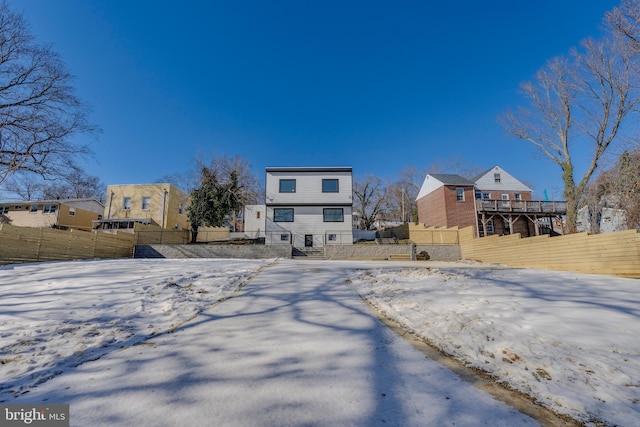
<point x="486" y="182"/>
<point x="308" y="203"/>
<point x="430" y="184"/>
<point x="308" y="188"/>
<point x="254" y="221"/>
<point x="310" y="220"/>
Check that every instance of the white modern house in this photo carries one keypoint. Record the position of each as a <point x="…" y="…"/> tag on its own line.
<point x="308" y="206"/>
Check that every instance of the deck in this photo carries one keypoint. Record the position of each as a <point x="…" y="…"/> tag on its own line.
<point x="533" y="207"/>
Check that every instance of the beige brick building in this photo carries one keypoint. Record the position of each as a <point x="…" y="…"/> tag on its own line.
<point x="161" y="204"/>
<point x="63" y="214"/>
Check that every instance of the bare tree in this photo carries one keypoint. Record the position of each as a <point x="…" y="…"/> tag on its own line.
<point x="576" y="105"/>
<point x="73" y="183"/>
<point x="625" y="21"/>
<point x="369" y="199"/>
<point x="39" y="112"/>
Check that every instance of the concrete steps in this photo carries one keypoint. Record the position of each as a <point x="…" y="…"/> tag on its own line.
<point x="308" y="253"/>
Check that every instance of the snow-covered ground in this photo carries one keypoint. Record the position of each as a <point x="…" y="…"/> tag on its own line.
<point x="54" y="316"/>
<point x="569" y="340"/>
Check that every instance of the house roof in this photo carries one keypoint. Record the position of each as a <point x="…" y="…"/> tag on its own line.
<point x="451" y="179"/>
<point x="310" y="169"/>
<point x="437" y="180"/>
<point x="88" y="204"/>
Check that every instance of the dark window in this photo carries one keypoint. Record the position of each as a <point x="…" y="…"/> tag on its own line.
<point x="34" y="208"/>
<point x="287" y="185"/>
<point x="283" y="215"/>
<point x="284" y="237"/>
<point x="49" y="209"/>
<point x="460" y="194"/>
<point x="333" y="214"/>
<point x="496" y="178"/>
<point x="330" y="186"/>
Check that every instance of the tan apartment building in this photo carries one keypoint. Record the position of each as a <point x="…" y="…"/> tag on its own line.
<point x="163" y="205"/>
<point x="63" y="214"/>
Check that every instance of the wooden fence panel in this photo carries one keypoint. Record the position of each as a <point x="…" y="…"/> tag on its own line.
<point x="24" y="244"/>
<point x="609" y="253"/>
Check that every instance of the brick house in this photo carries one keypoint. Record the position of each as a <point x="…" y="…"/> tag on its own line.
<point x="446" y="200"/>
<point x="494" y="202"/>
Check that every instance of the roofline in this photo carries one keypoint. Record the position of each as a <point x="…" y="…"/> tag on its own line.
<point x="59" y="201"/>
<point x="310" y="169"/>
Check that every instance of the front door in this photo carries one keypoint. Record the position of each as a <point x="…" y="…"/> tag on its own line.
<point x="308" y="240"/>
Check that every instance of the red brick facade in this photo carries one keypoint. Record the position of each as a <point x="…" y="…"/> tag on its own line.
<point x="440" y="208"/>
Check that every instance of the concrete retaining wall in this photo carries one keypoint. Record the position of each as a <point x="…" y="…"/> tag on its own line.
<point x="435" y="252"/>
<point x="213" y="251"/>
<point x="365" y="251"/>
<point x="441" y="252"/>
<point x="335" y="252"/>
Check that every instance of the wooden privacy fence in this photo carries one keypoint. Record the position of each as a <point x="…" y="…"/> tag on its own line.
<point x="615" y="254"/>
<point x="24" y="244"/>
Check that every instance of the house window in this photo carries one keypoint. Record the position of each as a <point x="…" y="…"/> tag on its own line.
<point x="496" y="178"/>
<point x="517" y="196"/>
<point x="49" y="209"/>
<point x="284" y="237"/>
<point x="180" y="208"/>
<point x="507" y="227"/>
<point x="146" y="202"/>
<point x="330" y="186"/>
<point x="283" y="215"/>
<point x="287" y="185"/>
<point x="258" y="215"/>
<point x="126" y="203"/>
<point x="490" y="229"/>
<point x="333" y="215"/>
<point x="4" y="210"/>
<point x="34" y="208"/>
<point x="460" y="194"/>
<point x="332" y="237"/>
<point x="17" y="208"/>
<point x="72" y="211"/>
<point x="482" y="196"/>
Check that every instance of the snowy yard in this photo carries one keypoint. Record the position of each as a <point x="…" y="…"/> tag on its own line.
<point x="54" y="316"/>
<point x="569" y="340"/>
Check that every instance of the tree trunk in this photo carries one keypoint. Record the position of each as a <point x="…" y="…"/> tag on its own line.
<point x="571" y="197"/>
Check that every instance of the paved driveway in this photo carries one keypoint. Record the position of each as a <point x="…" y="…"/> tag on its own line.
<point x="296" y="347"/>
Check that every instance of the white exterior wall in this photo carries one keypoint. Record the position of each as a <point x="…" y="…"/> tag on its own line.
<point x="428" y="185"/>
<point x="308" y="187"/>
<point x="254" y="221"/>
<point x="308" y="220"/>
<point x="308" y="203"/>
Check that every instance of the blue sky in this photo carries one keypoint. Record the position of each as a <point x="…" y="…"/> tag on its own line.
<point x="375" y="85"/>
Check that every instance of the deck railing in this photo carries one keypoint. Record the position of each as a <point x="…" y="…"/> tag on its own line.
<point x="522" y="206"/>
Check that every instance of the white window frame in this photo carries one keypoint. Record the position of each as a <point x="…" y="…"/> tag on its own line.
<point x="72" y="211"/>
<point x="146" y="203"/>
<point x="126" y="203"/>
<point x="459" y="194"/>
